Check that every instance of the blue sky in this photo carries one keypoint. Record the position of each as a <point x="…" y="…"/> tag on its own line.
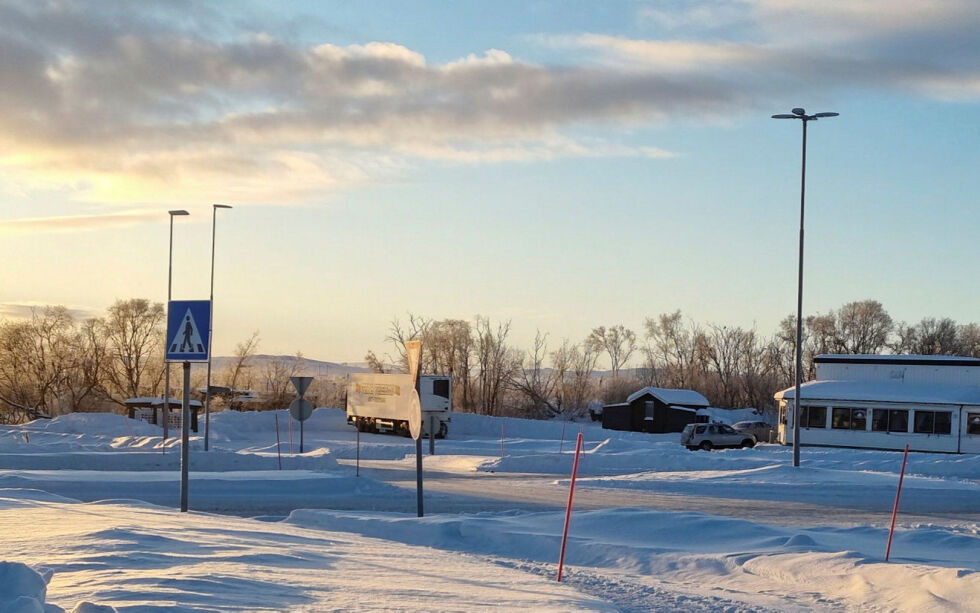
<point x="562" y="165"/>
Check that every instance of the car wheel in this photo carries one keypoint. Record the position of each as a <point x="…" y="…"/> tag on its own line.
<point x="748" y="443"/>
<point x="691" y="447"/>
<point x="706" y="445"/>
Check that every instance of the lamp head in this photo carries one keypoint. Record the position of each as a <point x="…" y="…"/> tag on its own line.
<point x="221" y="206"/>
<point x="799" y="112"/>
<point x="178" y="212"/>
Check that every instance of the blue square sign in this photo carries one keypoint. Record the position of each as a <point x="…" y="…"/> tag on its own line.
<point x="188" y="330"/>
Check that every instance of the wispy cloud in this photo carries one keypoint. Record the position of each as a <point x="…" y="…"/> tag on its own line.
<point x="77" y="223"/>
<point x="26" y="310"/>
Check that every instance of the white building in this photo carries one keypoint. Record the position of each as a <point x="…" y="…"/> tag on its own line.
<point x="932" y="403"/>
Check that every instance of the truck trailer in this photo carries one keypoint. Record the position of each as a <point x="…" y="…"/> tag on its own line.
<point x="382" y="403"/>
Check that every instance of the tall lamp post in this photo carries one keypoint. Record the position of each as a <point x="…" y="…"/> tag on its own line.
<point x="207" y="393"/>
<point x="800" y="114"/>
<point x="166" y="368"/>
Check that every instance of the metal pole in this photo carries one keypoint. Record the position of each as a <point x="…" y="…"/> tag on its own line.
<point x="207" y="393"/>
<point x="166" y="368"/>
<point x="432" y="434"/>
<point x="185" y="428"/>
<point x="418" y="475"/>
<point x="301" y="437"/>
<point x="797" y="410"/>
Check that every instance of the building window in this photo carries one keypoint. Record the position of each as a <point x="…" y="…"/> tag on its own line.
<point x="814" y="417"/>
<point x="879" y="420"/>
<point x="859" y="419"/>
<point x="898" y="420"/>
<point x="648" y="407"/>
<point x="973" y="423"/>
<point x="890" y="420"/>
<point x="849" y="419"/>
<point x="440" y="387"/>
<point x="933" y="422"/>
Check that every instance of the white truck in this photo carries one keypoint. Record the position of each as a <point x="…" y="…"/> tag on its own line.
<point x="382" y="403"/>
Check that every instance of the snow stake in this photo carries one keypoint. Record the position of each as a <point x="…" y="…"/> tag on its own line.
<point x="501" y="439"/>
<point x="561" y="445"/>
<point x="898" y="495"/>
<point x="278" y="444"/>
<point x="568" y="510"/>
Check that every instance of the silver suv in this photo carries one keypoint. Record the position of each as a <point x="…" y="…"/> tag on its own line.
<point x="710" y="436"/>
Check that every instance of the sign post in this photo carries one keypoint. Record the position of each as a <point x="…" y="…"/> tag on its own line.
<point x="187" y="341"/>
<point x="301" y="408"/>
<point x="413" y="350"/>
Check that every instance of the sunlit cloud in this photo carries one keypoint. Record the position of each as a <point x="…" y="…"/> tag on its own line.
<point x="27" y="309"/>
<point x="116" y="103"/>
<point x="77" y="223"/>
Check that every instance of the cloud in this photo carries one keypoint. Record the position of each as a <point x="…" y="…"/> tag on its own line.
<point x="118" y="102"/>
<point x="76" y="223"/>
<point x="26" y="310"/>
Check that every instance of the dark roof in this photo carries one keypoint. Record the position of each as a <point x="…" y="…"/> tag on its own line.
<point x="898" y="360"/>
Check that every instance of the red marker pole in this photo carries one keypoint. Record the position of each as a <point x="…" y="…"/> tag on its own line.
<point x="278" y="443"/>
<point x="568" y="510"/>
<point x="898" y="495"/>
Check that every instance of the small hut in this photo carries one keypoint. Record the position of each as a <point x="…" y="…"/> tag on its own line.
<point x="654" y="409"/>
<point x="150" y="410"/>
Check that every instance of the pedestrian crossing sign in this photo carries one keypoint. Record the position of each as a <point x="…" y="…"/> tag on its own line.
<point x="188" y="330"/>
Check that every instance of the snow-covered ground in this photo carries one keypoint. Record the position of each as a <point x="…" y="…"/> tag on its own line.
<point x="88" y="518"/>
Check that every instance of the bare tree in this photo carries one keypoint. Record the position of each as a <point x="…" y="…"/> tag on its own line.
<point x="134" y="334"/>
<point x="930" y="336"/>
<point x="243" y="353"/>
<point x="496" y="363"/>
<point x="449" y="348"/>
<point x="277" y="373"/>
<point x="675" y="349"/>
<point x="399" y="334"/>
<point x="863" y="327"/>
<point x="617" y="341"/>
<point x="374" y="363"/>
<point x="537" y="384"/>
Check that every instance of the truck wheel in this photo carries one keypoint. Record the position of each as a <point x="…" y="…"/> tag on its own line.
<point x="706" y="445"/>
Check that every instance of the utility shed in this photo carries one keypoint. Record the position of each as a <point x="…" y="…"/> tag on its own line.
<point x="149" y="409"/>
<point x="654" y="409"/>
<point x="930" y="403"/>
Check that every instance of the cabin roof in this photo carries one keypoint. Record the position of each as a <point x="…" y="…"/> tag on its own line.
<point x="671" y="396"/>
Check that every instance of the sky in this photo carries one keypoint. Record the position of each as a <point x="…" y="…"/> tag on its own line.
<point x="558" y="165"/>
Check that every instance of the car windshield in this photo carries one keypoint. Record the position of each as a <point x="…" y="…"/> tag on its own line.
<point x="727" y="429"/>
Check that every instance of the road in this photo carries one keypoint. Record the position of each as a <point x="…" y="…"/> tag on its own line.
<point x="449" y="492"/>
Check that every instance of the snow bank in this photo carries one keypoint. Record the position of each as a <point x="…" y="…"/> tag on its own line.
<point x="141" y="558"/>
<point x="836" y="567"/>
<point x="24" y="589"/>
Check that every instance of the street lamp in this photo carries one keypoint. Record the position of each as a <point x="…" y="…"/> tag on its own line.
<point x="207" y="392"/>
<point x="166" y="364"/>
<point x="800" y="114"/>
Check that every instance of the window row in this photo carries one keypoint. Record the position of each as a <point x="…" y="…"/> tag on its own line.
<point x="885" y="420"/>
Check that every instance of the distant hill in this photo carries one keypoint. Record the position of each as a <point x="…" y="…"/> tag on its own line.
<point x="310" y="367"/>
